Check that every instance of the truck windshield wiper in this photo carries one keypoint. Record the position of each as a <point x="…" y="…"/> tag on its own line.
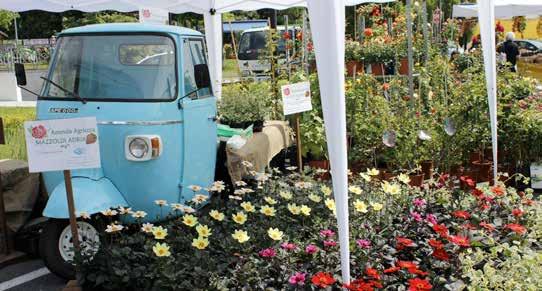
<point x="73" y="94"/>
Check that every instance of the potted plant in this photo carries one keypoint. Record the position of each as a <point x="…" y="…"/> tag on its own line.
<point x="245" y="104"/>
<point x="353" y="63"/>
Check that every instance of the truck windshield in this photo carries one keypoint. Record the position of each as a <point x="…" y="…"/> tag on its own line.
<point x="115" y="67"/>
<point x="253" y="44"/>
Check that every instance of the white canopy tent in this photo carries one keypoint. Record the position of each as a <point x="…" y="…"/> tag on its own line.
<point x="503" y="8"/>
<point x="327" y="19"/>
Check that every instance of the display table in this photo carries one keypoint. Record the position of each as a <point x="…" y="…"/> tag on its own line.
<point x="259" y="149"/>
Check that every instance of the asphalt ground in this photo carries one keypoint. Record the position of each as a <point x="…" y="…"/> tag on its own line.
<point x="29" y="274"/>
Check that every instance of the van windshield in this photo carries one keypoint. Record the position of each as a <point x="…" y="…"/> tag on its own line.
<point x="115" y="67"/>
<point x="253" y="44"/>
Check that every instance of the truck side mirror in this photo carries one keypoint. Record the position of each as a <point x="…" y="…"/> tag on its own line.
<point x="20" y="74"/>
<point x="201" y="74"/>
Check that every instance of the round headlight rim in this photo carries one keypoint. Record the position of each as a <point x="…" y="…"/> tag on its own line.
<point x="143" y="142"/>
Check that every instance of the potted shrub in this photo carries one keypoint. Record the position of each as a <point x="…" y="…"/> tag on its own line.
<point x="353" y="63"/>
<point x="245" y="104"/>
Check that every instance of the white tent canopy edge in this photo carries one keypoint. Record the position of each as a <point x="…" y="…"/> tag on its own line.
<point x="503" y="9"/>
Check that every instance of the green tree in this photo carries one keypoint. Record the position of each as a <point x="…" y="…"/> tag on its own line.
<point x="6" y="18"/>
<point x="75" y="19"/>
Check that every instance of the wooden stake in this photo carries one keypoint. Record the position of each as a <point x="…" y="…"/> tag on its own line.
<point x="71" y="209"/>
<point x="298" y="143"/>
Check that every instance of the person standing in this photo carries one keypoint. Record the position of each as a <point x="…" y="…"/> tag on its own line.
<point x="511" y="49"/>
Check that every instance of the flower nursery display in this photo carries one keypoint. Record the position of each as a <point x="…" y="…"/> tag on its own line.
<point x="279" y="232"/>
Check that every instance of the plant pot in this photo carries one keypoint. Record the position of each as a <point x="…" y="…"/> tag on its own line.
<point x="387" y="176"/>
<point x="354" y="67"/>
<point x="455" y="170"/>
<point x="483" y="170"/>
<point x="427" y="169"/>
<point x="403" y="69"/>
<point x="416" y="180"/>
<point x="320" y="164"/>
<point x="378" y="69"/>
<point x="474" y="157"/>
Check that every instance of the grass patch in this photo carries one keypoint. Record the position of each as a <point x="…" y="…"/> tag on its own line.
<point x="231" y="69"/>
<point x="13" y="118"/>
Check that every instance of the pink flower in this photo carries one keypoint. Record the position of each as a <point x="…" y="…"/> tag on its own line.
<point x="419" y="202"/>
<point x="267" y="253"/>
<point x="311" y="249"/>
<point x="416" y="216"/>
<point x="431" y="218"/>
<point x="327" y="233"/>
<point x="288" y="246"/>
<point x="330" y="243"/>
<point x="297" y="279"/>
<point x="364" y="243"/>
<point x="39" y="132"/>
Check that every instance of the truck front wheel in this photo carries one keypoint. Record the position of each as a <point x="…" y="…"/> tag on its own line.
<point x="56" y="245"/>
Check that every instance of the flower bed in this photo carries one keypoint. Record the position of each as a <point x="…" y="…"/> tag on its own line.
<point x="280" y="232"/>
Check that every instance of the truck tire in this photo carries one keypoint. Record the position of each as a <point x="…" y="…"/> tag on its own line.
<point x="56" y="248"/>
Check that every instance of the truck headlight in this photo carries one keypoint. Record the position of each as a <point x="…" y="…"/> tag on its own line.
<point x="142" y="147"/>
<point x="138" y="148"/>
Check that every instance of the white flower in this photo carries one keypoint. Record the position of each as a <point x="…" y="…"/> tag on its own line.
<point x="147" y="227"/>
<point x="235" y="197"/>
<point x="199" y="198"/>
<point x="109" y="212"/>
<point x="176" y="206"/>
<point x="139" y="214"/>
<point x="188" y="209"/>
<point x="303" y="185"/>
<point x="113" y="228"/>
<point x="291" y="168"/>
<point x="123" y="210"/>
<point x="84" y="215"/>
<point x="321" y="171"/>
<point x="240" y="183"/>
<point x="160" y="202"/>
<point x="218" y="186"/>
<point x="195" y="188"/>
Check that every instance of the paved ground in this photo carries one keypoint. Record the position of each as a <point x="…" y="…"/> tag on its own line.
<point x="30" y="274"/>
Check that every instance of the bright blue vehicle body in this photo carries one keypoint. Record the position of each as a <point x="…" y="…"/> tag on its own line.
<point x="185" y="125"/>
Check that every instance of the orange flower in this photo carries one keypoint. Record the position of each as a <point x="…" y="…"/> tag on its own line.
<point x="322" y="280"/>
<point x="517" y="228"/>
<point x="441" y="254"/>
<point x="417" y="284"/>
<point x="498" y="190"/>
<point x="460" y="240"/>
<point x="461" y="214"/>
<point x="368" y="32"/>
<point x="517" y="212"/>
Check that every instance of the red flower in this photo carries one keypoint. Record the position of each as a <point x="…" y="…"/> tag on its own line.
<point x="468" y="226"/>
<point x="528" y="202"/>
<point x="310" y="47"/>
<point x="417" y="284"/>
<point x="361" y="285"/>
<point x="441" y="229"/>
<point x="517" y="228"/>
<point x="517" y="212"/>
<point x="403" y="242"/>
<point x="460" y="240"/>
<point x="498" y="190"/>
<point x="461" y="214"/>
<point x="391" y="270"/>
<point x="322" y="280"/>
<point x="441" y="254"/>
<point x="375" y="11"/>
<point x="39" y="131"/>
<point x="487" y="226"/>
<point x="477" y="192"/>
<point x="499" y="27"/>
<point x="406" y="264"/>
<point x="371" y="272"/>
<point x="416" y="271"/>
<point x="468" y="181"/>
<point x="368" y="32"/>
<point x="436" y="244"/>
<point x="286" y="35"/>
<point x="299" y="35"/>
<point x="386" y="86"/>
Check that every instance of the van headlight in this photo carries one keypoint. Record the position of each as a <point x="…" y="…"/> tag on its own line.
<point x="142" y="147"/>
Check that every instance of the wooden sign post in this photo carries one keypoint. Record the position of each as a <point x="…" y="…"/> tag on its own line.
<point x="75" y="146"/>
<point x="296" y="98"/>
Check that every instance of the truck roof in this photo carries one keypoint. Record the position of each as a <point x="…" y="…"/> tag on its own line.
<point x="131" y="27"/>
<point x="279" y="27"/>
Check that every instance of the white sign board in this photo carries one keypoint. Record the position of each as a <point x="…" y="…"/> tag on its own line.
<point x="62" y="144"/>
<point x="296" y="98"/>
<point x="153" y="16"/>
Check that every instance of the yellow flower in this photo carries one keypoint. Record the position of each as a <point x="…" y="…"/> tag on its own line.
<point x="315" y="198"/>
<point x="294" y="209"/>
<point x="200" y="243"/>
<point x="161" y="250"/>
<point x="373" y="172"/>
<point x="190" y="220"/>
<point x="270" y="200"/>
<point x="325" y="190"/>
<point x="286" y="195"/>
<point x="203" y="230"/>
<point x="267" y="210"/>
<point x="360" y="206"/>
<point x="377" y="206"/>
<point x="330" y="204"/>
<point x="305" y="210"/>
<point x="239" y="217"/>
<point x="159" y="232"/>
<point x="217" y="215"/>
<point x="392" y="189"/>
<point x="275" y="233"/>
<point x="365" y="177"/>
<point x="355" y="189"/>
<point x="404" y="178"/>
<point x="241" y="236"/>
<point x="248" y="207"/>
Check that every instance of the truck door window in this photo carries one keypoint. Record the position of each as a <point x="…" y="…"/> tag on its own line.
<point x="193" y="54"/>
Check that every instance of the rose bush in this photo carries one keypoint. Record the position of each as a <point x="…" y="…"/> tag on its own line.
<point x="279" y="231"/>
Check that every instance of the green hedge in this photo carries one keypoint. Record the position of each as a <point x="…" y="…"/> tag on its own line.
<point x="13" y="118"/>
